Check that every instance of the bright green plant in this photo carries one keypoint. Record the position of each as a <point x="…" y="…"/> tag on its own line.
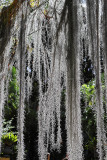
<point x="88" y="92"/>
<point x="9" y="138"/>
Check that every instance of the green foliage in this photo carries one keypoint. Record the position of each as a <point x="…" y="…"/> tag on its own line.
<point x="9" y="138"/>
<point x="11" y="106"/>
<point x="90" y="145"/>
<point x="7" y="126"/>
<point x="88" y="119"/>
<point x="88" y="100"/>
<point x="88" y="92"/>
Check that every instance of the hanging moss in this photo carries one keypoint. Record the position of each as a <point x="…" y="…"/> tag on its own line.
<point x="7" y="17"/>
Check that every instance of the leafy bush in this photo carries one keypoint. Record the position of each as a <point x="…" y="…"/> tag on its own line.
<point x="88" y="92"/>
<point x="9" y="138"/>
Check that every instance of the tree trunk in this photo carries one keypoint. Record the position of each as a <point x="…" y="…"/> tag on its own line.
<point x="73" y="82"/>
